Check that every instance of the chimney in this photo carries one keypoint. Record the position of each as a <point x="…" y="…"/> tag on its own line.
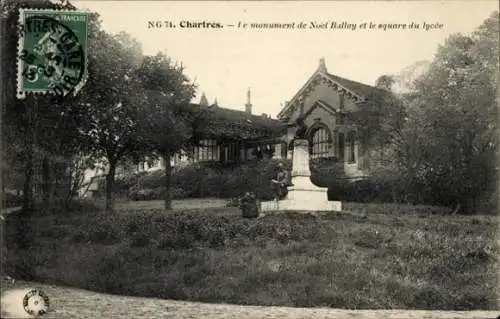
<point x="322" y="66"/>
<point x="203" y="100"/>
<point x="215" y="102"/>
<point x="248" y="106"/>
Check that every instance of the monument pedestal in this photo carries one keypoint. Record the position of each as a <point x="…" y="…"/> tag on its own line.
<point x="303" y="195"/>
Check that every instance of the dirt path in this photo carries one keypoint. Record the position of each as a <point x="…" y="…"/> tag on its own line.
<point x="81" y="304"/>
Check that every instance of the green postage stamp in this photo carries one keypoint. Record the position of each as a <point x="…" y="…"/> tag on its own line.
<point x="52" y="52"/>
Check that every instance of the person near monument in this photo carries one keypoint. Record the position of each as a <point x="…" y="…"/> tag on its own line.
<point x="281" y="182"/>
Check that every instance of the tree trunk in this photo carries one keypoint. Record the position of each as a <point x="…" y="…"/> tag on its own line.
<point x="168" y="182"/>
<point x="4" y="174"/>
<point x="28" y="183"/>
<point x="67" y="183"/>
<point x="110" y="181"/>
<point x="202" y="179"/>
<point x="47" y="182"/>
<point x="68" y="186"/>
<point x="23" y="218"/>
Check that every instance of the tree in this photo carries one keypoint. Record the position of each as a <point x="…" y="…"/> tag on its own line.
<point x="486" y="47"/>
<point x="451" y="133"/>
<point x="42" y="130"/>
<point x="380" y="121"/>
<point x="25" y="123"/>
<point x="167" y="121"/>
<point x="36" y="129"/>
<point x="385" y="82"/>
<point x="114" y="97"/>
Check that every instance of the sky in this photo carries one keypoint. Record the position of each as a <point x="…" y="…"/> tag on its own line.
<point x="275" y="64"/>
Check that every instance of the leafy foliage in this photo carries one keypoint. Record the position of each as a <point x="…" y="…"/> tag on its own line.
<point x="207" y="180"/>
<point x="40" y="133"/>
<point x="111" y="98"/>
<point x="103" y="122"/>
<point x="166" y="121"/>
<point x="449" y="143"/>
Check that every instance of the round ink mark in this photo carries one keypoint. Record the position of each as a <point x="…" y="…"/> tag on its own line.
<point x="53" y="57"/>
<point x="36" y="302"/>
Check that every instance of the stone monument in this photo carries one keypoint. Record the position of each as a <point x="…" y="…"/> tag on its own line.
<point x="303" y="195"/>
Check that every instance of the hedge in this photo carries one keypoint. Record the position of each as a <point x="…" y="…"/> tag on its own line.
<point x="234" y="180"/>
<point x="208" y="180"/>
<point x="384" y="185"/>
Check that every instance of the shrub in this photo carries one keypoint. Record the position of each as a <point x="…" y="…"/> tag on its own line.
<point x="11" y="200"/>
<point x="221" y="180"/>
<point x="178" y="193"/>
<point x="249" y="206"/>
<point x="290" y="259"/>
<point x="383" y="185"/>
<point x="229" y="180"/>
<point x="101" y="231"/>
<point x="157" y="193"/>
<point x="142" y="194"/>
<point x="83" y="206"/>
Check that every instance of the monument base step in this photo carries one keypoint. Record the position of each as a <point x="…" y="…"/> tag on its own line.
<point x="294" y="205"/>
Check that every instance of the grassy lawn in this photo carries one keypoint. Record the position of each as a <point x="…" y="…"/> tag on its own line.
<point x="194" y="203"/>
<point x="374" y="256"/>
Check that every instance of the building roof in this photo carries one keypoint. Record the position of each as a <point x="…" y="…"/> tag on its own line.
<point x="221" y="122"/>
<point x="361" y="89"/>
<point x="360" y="92"/>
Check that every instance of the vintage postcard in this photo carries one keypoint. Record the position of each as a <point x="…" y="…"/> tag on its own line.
<point x="249" y="159"/>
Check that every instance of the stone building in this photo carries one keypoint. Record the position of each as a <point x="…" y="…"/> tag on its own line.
<point x="343" y="120"/>
<point x="337" y="113"/>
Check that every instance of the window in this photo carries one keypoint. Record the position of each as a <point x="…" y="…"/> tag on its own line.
<point x="351" y="145"/>
<point x="231" y="152"/>
<point x="207" y="151"/>
<point x="320" y="143"/>
<point x="234" y="152"/>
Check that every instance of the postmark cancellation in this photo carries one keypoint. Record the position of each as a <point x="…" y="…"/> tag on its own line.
<point x="52" y="52"/>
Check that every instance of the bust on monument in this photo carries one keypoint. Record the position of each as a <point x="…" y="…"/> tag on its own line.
<point x="300" y="133"/>
<point x="301" y="129"/>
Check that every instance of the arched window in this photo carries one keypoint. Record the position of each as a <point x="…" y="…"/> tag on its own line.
<point x="320" y="142"/>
